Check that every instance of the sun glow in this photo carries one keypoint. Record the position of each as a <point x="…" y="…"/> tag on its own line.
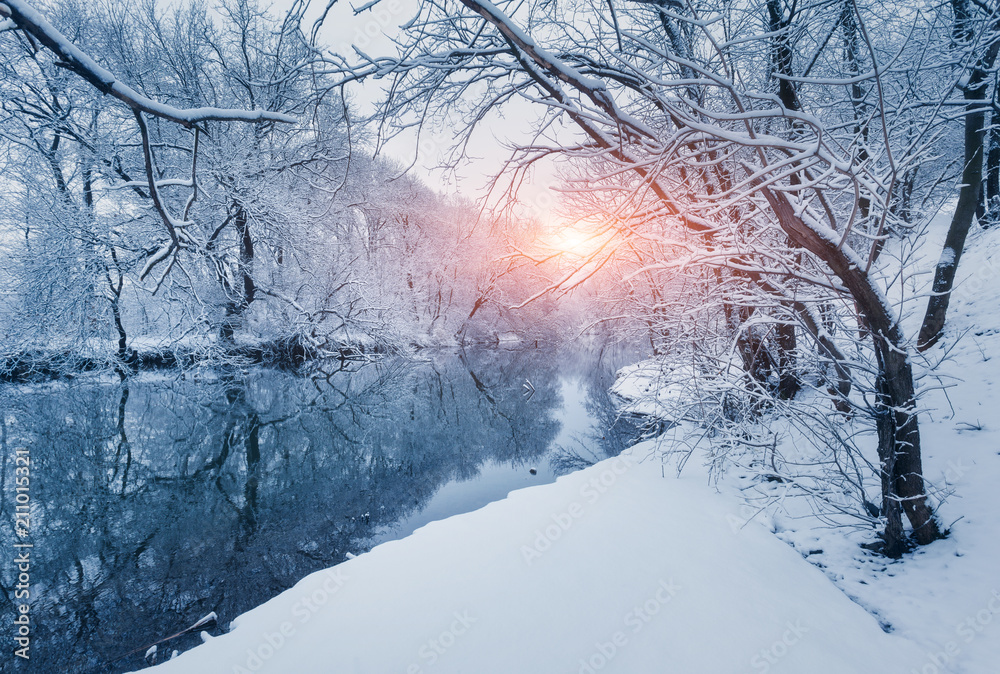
<point x="572" y="240"/>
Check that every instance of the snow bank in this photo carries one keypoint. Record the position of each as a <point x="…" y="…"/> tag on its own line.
<point x="656" y="388"/>
<point x="610" y="569"/>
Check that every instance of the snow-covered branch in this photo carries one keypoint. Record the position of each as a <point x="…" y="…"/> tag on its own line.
<point x="26" y="18"/>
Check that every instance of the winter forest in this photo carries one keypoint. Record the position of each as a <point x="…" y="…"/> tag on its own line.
<point x="541" y="336"/>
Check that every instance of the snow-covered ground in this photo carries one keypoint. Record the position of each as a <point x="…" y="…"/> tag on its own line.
<point x="624" y="567"/>
<point x="610" y="569"/>
<point x="945" y="597"/>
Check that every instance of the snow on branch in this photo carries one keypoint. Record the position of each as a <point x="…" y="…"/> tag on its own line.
<point x="594" y="89"/>
<point x="24" y="17"/>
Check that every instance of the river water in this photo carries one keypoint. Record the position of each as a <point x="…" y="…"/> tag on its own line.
<point x="158" y="502"/>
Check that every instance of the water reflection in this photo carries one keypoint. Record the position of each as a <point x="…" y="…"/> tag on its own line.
<point x="160" y="501"/>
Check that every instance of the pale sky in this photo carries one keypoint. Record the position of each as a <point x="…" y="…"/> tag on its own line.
<point x="370" y="30"/>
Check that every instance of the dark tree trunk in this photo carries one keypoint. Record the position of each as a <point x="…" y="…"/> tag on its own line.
<point x="480" y="301"/>
<point x="680" y="40"/>
<point x="781" y="54"/>
<point x="246" y="257"/>
<point x="893" y="536"/>
<point x="899" y="452"/>
<point x="852" y="58"/>
<point x="961" y="222"/>
<point x="242" y="296"/>
<point x="972" y="178"/>
<point x="123" y="444"/>
<point x="840" y="387"/>
<point x="902" y="203"/>
<point x="116" y="293"/>
<point x="989" y="201"/>
<point x="781" y="60"/>
<point x="788" y="377"/>
<point x="896" y="414"/>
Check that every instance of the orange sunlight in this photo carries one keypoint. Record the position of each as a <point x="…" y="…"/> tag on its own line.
<point x="571" y="240"/>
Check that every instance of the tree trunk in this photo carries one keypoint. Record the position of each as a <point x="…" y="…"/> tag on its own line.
<point x="788" y="376"/>
<point x="840" y="387"/>
<point x="972" y="178"/>
<point x="900" y="453"/>
<point x="895" y="405"/>
<point x="480" y="301"/>
<point x="241" y="296"/>
<point x="852" y="58"/>
<point x="781" y="60"/>
<point x="961" y="222"/>
<point x="989" y="209"/>
<point x="116" y="293"/>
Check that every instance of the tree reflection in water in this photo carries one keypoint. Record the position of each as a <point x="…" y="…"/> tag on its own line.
<point x="163" y="499"/>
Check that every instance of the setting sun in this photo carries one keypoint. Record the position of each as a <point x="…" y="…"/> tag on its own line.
<point x="572" y="240"/>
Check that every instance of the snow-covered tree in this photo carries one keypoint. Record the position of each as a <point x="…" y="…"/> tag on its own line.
<point x="735" y="139"/>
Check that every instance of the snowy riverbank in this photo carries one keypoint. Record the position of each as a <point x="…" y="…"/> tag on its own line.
<point x="614" y="568"/>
